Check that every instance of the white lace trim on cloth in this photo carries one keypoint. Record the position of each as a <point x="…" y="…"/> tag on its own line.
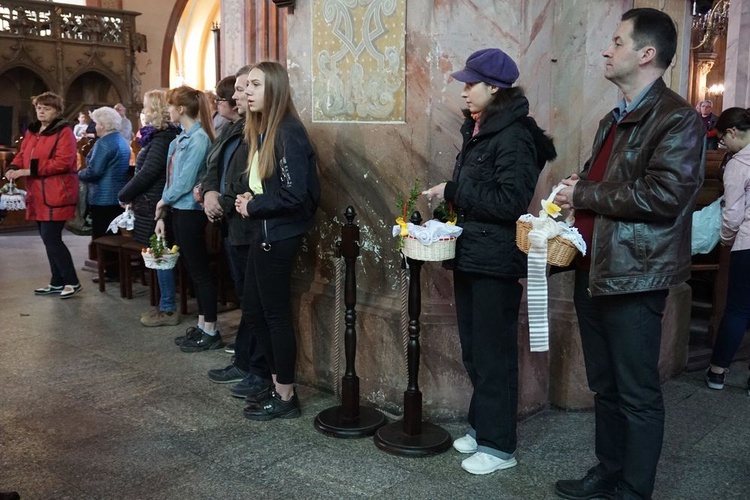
<point x="125" y="220"/>
<point x="432" y="231"/>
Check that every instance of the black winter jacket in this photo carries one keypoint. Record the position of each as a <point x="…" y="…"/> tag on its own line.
<point x="291" y="195"/>
<point x="238" y="231"/>
<point x="493" y="183"/>
<point x="144" y="190"/>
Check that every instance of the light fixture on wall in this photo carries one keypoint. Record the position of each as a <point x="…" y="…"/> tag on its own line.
<point x="715" y="89"/>
<point x="216" y="30"/>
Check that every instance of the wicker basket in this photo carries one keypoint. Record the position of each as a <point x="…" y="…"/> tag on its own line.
<point x="560" y="252"/>
<point x="442" y="249"/>
<point x="166" y="261"/>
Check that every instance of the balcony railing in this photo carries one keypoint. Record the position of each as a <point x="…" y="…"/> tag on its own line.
<point x="45" y="20"/>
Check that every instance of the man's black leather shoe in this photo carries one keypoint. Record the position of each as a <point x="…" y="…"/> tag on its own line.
<point x="590" y="487"/>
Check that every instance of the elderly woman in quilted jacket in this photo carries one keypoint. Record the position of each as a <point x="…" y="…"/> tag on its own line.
<point x="48" y="160"/>
<point x="106" y="173"/>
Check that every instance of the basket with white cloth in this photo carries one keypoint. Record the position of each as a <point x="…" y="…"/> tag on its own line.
<point x="434" y="241"/>
<point x="166" y="261"/>
<point x="12" y="198"/>
<point x="545" y="241"/>
<point x="126" y="221"/>
<point x="159" y="255"/>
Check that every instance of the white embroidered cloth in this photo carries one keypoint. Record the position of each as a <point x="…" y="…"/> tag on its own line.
<point x="12" y="198"/>
<point x="544" y="228"/>
<point x="432" y="231"/>
<point x="125" y="220"/>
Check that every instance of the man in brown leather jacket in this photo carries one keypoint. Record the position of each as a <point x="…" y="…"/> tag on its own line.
<point x="634" y="201"/>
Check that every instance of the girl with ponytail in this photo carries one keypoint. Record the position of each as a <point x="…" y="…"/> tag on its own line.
<point x="186" y="163"/>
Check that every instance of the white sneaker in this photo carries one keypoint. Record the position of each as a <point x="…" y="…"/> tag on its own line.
<point x="484" y="463"/>
<point x="466" y="444"/>
<point x="70" y="290"/>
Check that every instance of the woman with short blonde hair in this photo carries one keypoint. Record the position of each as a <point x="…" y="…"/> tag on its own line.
<point x="155" y="109"/>
<point x="144" y="191"/>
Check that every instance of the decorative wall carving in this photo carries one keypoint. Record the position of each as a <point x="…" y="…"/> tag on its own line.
<point x="359" y="60"/>
<point x="60" y="42"/>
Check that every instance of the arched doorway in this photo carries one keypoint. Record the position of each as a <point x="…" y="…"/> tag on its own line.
<point x="17" y="86"/>
<point x="189" y="52"/>
<point x="90" y="89"/>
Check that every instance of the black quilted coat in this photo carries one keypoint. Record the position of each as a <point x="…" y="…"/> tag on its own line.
<point x="493" y="182"/>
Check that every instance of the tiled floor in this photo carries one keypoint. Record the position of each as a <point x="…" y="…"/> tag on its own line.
<point x="94" y="406"/>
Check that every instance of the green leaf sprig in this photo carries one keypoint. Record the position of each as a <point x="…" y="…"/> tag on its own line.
<point x="406" y="207"/>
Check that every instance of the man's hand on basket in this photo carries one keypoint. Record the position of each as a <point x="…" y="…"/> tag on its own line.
<point x="564" y="198"/>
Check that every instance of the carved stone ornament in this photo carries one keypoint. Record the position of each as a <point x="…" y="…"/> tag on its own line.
<point x="705" y="61"/>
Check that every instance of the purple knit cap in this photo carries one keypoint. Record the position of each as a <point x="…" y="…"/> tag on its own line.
<point x="491" y="66"/>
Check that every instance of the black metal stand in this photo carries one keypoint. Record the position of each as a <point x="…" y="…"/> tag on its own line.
<point x="349" y="420"/>
<point x="411" y="436"/>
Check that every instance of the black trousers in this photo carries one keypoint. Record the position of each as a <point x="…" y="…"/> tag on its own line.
<point x="58" y="255"/>
<point x="101" y="216"/>
<point x="248" y="356"/>
<point x="621" y="337"/>
<point x="267" y="304"/>
<point x="190" y="233"/>
<point x="487" y="313"/>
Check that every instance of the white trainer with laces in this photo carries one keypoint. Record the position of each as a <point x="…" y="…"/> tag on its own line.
<point x="70" y="290"/>
<point x="466" y="444"/>
<point x="483" y="463"/>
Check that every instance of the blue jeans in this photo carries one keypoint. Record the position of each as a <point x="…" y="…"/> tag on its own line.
<point x="167" y="289"/>
<point x="737" y="312"/>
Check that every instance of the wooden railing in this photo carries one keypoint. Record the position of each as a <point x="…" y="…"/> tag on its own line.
<point x="45" y="20"/>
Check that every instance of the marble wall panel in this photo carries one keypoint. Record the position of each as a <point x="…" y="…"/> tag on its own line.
<point x="358" y="60"/>
<point x="233" y="23"/>
<point x="676" y="77"/>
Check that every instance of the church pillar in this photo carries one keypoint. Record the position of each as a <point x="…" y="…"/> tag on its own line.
<point x="736" y="82"/>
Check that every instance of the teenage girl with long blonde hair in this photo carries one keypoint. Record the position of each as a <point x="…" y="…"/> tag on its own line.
<point x="281" y="193"/>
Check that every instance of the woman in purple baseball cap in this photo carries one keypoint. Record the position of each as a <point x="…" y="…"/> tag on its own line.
<point x="493" y="182"/>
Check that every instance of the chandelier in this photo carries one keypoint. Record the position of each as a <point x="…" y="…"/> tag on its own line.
<point x="708" y="27"/>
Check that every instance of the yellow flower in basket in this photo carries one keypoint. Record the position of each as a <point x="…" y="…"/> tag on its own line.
<point x="402" y="224"/>
<point x="550" y="208"/>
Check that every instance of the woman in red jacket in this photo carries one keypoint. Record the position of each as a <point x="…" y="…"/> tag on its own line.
<point x="48" y="158"/>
